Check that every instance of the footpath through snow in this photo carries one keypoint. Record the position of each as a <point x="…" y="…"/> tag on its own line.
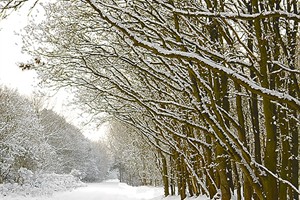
<point x="109" y="190"/>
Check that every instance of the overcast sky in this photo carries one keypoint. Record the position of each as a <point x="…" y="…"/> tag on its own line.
<point x="10" y="51"/>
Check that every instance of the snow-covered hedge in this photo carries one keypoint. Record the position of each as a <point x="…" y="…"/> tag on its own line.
<point x="40" y="184"/>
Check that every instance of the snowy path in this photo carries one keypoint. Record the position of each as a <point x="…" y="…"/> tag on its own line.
<point x="110" y="190"/>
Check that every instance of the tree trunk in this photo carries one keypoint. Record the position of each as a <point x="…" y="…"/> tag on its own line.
<point x="294" y="91"/>
<point x="210" y="171"/>
<point x="223" y="166"/>
<point x="165" y="177"/>
<point x="247" y="190"/>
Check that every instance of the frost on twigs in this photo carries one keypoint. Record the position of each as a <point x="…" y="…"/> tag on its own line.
<point x="9" y="6"/>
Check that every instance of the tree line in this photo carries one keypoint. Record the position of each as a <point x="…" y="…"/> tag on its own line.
<point x="213" y="86"/>
<point x="40" y="140"/>
<point x="134" y="159"/>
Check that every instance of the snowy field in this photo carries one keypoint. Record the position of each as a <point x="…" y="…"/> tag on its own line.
<point x="109" y="190"/>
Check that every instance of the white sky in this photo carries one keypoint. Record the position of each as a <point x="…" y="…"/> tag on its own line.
<point x="10" y="51"/>
<point x="26" y="81"/>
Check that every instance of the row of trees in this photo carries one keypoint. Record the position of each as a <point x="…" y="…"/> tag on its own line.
<point x="213" y="86"/>
<point x="134" y="158"/>
<point x="42" y="141"/>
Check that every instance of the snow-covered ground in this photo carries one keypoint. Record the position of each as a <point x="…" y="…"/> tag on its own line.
<point x="108" y="190"/>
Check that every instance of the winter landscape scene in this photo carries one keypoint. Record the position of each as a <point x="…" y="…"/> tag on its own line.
<point x="149" y="99"/>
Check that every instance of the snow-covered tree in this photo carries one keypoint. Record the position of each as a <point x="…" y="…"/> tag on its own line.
<point x="98" y="163"/>
<point x="134" y="157"/>
<point x="41" y="141"/>
<point x="73" y="150"/>
<point x="22" y="141"/>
